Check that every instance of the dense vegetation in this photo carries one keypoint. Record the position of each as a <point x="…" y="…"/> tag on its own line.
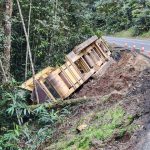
<point x="56" y="27"/>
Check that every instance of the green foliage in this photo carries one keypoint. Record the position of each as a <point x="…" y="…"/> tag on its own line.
<point x="46" y="117"/>
<point x="22" y="137"/>
<point x="10" y="139"/>
<point x="58" y="26"/>
<point x="6" y="91"/>
<point x="109" y="121"/>
<point x="141" y="21"/>
<point x="122" y="15"/>
<point x="13" y="103"/>
<point x="125" y="33"/>
<point x="55" y="29"/>
<point x="146" y="34"/>
<point x="20" y="126"/>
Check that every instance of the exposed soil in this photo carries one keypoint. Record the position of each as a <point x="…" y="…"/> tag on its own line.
<point x="137" y="103"/>
<point x="119" y="76"/>
<point x="127" y="84"/>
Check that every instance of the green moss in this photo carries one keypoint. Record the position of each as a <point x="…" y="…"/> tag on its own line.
<point x="122" y="132"/>
<point x="130" y="118"/>
<point x="132" y="128"/>
<point x="110" y="121"/>
<point x="105" y="124"/>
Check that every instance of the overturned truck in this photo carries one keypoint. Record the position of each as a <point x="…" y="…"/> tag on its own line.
<point x="59" y="83"/>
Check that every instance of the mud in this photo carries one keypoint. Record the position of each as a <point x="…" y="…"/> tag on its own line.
<point x="137" y="103"/>
<point x="119" y="77"/>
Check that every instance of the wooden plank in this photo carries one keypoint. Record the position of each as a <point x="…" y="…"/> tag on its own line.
<point x="70" y="77"/>
<point x="67" y="77"/>
<point x="48" y="92"/>
<point x="85" y="44"/>
<point x="103" y="43"/>
<point x="73" y="57"/>
<point x="101" y="51"/>
<point x="77" y="76"/>
<point x="73" y="71"/>
<point x="85" y="65"/>
<point x="75" y="67"/>
<point x="29" y="83"/>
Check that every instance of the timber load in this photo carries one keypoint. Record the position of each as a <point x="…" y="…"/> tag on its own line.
<point x="59" y="83"/>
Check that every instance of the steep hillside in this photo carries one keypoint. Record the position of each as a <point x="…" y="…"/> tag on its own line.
<point x="116" y="116"/>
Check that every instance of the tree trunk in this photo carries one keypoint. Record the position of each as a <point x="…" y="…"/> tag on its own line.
<point x="7" y="12"/>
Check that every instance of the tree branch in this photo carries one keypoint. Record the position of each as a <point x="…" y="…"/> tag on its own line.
<point x="28" y="47"/>
<point x="27" y="52"/>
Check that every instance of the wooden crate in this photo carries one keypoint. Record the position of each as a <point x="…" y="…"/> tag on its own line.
<point x="81" y="63"/>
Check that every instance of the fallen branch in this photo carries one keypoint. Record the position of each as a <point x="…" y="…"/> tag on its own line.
<point x="63" y="103"/>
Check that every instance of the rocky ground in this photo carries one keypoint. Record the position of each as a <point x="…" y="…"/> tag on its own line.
<point x="118" y="117"/>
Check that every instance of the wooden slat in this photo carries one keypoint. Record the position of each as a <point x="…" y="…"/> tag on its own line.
<point x="86" y="66"/>
<point x="85" y="44"/>
<point x="66" y="75"/>
<point x="47" y="92"/>
<point x="73" y="71"/>
<point x="75" y="67"/>
<point x="101" y="51"/>
<point x="28" y="85"/>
